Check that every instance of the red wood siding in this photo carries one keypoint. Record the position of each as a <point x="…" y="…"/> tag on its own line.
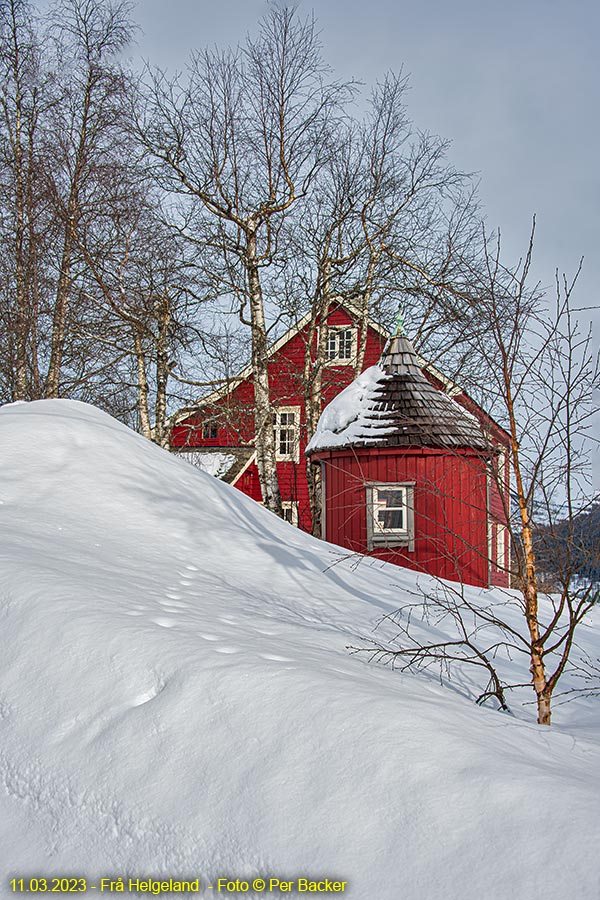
<point x="450" y="514"/>
<point x="234" y="414"/>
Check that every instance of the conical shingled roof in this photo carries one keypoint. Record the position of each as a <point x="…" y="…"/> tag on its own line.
<point x="403" y="409"/>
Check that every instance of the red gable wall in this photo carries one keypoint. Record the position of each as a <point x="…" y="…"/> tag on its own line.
<point x="234" y="412"/>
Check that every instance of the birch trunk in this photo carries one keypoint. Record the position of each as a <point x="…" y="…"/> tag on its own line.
<point x="33" y="281"/>
<point x="60" y="314"/>
<point x="21" y="386"/>
<point x="263" y="416"/>
<point x="313" y="387"/>
<point x="365" y="310"/>
<point x="143" y="388"/>
<point x="64" y="282"/>
<point x="163" y="315"/>
<point x="543" y="690"/>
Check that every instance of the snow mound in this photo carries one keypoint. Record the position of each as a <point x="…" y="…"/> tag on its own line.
<point x="177" y="699"/>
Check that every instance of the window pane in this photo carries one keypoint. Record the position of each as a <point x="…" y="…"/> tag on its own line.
<point x="391" y="497"/>
<point x="390" y="518"/>
<point x="332" y="344"/>
<point x="286" y="441"/>
<point x="345" y="344"/>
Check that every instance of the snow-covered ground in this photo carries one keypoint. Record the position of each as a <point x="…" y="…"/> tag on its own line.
<point x="177" y="699"/>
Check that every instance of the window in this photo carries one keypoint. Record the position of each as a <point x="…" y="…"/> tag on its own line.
<point x="390" y="515"/>
<point x="341" y="345"/>
<point x="500" y="545"/>
<point x="290" y="511"/>
<point x="209" y="430"/>
<point x="287" y="432"/>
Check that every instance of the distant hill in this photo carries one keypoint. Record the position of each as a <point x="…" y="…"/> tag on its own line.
<point x="580" y="537"/>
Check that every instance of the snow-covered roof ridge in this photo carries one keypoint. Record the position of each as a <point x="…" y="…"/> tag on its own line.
<point x="394" y="404"/>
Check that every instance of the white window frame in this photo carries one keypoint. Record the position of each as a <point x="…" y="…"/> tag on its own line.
<point x="209" y="425"/>
<point x="290" y="506"/>
<point x="500" y="546"/>
<point x="294" y="454"/>
<point x="377" y="536"/>
<point x="337" y="330"/>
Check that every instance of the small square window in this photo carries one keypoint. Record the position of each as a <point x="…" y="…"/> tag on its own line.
<point x="390" y="515"/>
<point x="209" y="430"/>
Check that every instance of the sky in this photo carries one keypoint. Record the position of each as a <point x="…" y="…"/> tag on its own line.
<point x="514" y="86"/>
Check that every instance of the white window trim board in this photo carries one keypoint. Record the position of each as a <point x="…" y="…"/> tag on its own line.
<point x="377" y="538"/>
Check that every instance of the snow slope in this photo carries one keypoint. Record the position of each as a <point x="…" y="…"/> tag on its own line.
<point x="177" y="699"/>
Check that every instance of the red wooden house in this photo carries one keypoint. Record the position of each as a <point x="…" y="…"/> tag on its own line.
<point x="219" y="438"/>
<point x="223" y="426"/>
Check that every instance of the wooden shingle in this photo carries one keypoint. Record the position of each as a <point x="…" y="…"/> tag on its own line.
<point x="411" y="412"/>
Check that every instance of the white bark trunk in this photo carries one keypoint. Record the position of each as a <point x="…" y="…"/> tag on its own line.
<point x="263" y="416"/>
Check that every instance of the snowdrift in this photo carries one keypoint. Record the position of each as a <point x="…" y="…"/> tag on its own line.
<point x="177" y="699"/>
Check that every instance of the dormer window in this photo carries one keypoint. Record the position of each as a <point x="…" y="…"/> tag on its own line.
<point x="340" y="349"/>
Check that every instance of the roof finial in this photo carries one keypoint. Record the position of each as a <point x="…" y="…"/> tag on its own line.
<point x="400" y="332"/>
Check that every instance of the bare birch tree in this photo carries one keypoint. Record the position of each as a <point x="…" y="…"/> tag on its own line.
<point x="243" y="138"/>
<point x="543" y="371"/>
<point x="61" y="126"/>
<point x="537" y="374"/>
<point x="87" y="125"/>
<point x="24" y="219"/>
<point x="390" y="226"/>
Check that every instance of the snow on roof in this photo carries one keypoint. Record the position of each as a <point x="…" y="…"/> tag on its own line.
<point x="346" y="419"/>
<point x="394" y="404"/>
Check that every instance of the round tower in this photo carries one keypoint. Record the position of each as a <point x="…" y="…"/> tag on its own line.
<point x="404" y="471"/>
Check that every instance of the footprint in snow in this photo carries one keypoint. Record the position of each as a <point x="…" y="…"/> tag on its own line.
<point x="164" y="622"/>
<point x="148" y="695"/>
<point x="226" y="649"/>
<point x="210" y="637"/>
<point x="275" y="657"/>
